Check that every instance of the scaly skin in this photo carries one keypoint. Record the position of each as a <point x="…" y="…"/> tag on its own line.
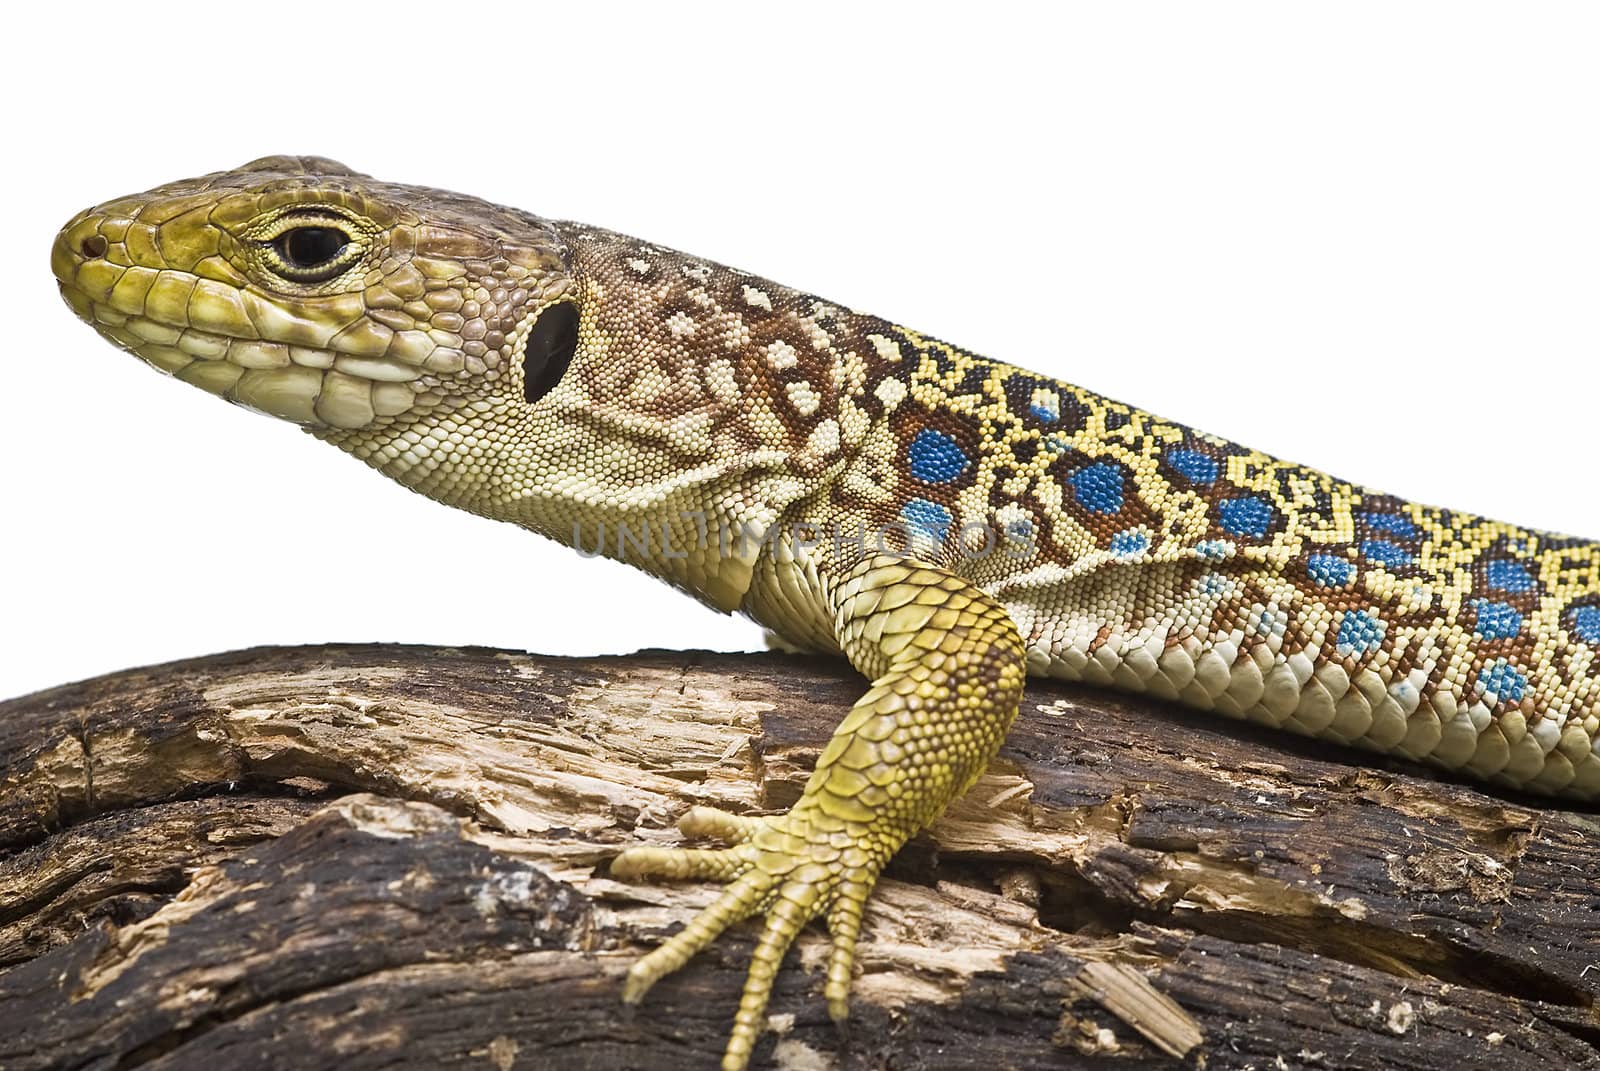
<point x="946" y="522"/>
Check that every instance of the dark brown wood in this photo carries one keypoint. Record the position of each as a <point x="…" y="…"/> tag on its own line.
<point x="395" y="857"/>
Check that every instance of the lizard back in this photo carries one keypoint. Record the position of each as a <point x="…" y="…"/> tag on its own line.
<point x="1137" y="552"/>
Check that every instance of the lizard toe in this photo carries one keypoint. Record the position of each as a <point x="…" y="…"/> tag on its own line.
<point x="712" y="864"/>
<point x="788" y="871"/>
<point x="718" y="825"/>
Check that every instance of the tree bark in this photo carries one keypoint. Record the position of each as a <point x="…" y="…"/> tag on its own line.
<point x="396" y="857"/>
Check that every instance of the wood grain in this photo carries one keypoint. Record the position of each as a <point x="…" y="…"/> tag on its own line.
<point x="365" y="856"/>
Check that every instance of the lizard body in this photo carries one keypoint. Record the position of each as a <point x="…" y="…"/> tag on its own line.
<point x="946" y="522"/>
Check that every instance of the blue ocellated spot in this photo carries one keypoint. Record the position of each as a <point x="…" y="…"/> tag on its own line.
<point x="1384" y="553"/>
<point x="1247" y="516"/>
<point x="1508" y="576"/>
<point x="1057" y="443"/>
<point x="1192" y="465"/>
<point x="1360" y="634"/>
<point x="1214" y="550"/>
<point x="1497" y="620"/>
<point x="1329" y="572"/>
<point x="1216" y="584"/>
<point x="1271" y="623"/>
<point x="1394" y="523"/>
<point x="1586" y="623"/>
<point x="1099" y="487"/>
<point x="936" y="458"/>
<point x="929" y="518"/>
<point x="1503" y="681"/>
<point x="1045" y="406"/>
<point x="1130" y="543"/>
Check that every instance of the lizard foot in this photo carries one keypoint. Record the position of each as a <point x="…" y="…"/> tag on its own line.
<point x="946" y="665"/>
<point x="791" y="868"/>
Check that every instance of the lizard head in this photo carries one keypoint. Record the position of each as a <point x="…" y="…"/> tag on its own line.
<point x="536" y="372"/>
<point x="299" y="288"/>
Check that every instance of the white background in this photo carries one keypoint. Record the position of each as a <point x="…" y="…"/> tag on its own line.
<point x="1361" y="236"/>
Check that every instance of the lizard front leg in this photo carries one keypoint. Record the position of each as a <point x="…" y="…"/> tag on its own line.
<point x="947" y="669"/>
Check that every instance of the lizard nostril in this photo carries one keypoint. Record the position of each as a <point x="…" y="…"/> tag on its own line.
<point x="94" y="246"/>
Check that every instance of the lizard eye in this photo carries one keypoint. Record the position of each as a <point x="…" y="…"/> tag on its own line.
<point x="552" y="340"/>
<point x="312" y="252"/>
<point x="309" y="248"/>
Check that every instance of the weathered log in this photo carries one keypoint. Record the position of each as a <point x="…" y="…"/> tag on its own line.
<point x="395" y="856"/>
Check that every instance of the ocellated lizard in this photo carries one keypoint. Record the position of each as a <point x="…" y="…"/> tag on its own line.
<point x="947" y="522"/>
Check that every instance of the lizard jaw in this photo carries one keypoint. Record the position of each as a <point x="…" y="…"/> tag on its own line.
<point x="230" y="341"/>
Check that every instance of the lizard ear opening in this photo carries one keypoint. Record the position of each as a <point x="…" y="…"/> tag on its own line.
<point x="552" y="340"/>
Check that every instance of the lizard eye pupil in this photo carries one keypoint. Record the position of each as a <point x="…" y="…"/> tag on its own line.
<point x="551" y="343"/>
<point x="309" y="248"/>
